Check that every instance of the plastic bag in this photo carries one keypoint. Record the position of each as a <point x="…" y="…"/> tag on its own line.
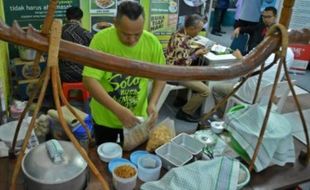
<point x="137" y="135"/>
<point x="244" y="123"/>
<point x="161" y="134"/>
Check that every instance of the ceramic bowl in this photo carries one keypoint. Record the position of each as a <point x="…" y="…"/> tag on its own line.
<point x="109" y="150"/>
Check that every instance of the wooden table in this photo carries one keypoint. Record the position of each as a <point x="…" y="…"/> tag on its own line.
<point x="274" y="177"/>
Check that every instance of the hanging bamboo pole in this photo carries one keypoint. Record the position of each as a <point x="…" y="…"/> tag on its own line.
<point x="29" y="131"/>
<point x="45" y="30"/>
<point x="285" y="19"/>
<point x="267" y="114"/>
<point x="53" y="72"/>
<point x="53" y="64"/>
<point x="286" y="12"/>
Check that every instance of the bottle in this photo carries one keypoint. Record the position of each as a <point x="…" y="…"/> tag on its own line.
<point x="3" y="112"/>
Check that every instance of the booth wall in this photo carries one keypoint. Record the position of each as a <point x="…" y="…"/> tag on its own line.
<point x="4" y="59"/>
<point x="229" y="18"/>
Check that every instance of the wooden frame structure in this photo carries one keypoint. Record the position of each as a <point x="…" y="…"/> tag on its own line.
<point x="48" y="40"/>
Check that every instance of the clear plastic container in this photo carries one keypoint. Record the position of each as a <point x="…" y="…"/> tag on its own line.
<point x="121" y="183"/>
<point x="173" y="155"/>
<point x="149" y="167"/>
<point x="191" y="144"/>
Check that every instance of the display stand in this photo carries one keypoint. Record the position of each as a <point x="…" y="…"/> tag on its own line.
<point x="52" y="72"/>
<point x="115" y="64"/>
<point x="304" y="157"/>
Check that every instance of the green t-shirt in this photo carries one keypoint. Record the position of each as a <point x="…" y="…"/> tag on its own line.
<point x="129" y="91"/>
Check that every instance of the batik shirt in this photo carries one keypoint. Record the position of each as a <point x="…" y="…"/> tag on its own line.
<point x="179" y="51"/>
<point x="73" y="32"/>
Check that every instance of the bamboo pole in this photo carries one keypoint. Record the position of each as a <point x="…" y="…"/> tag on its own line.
<point x="53" y="64"/>
<point x="285" y="19"/>
<point x="29" y="131"/>
<point x="286" y="12"/>
<point x="45" y="30"/>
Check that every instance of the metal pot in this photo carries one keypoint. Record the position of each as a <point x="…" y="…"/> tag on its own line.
<point x="41" y="173"/>
<point x="26" y="54"/>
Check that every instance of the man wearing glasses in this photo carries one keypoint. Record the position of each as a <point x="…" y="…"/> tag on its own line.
<point x="258" y="32"/>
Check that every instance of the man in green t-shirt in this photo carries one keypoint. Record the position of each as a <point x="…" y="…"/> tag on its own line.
<point x="117" y="99"/>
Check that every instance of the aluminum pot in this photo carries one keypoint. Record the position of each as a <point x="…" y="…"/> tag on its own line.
<point x="41" y="173"/>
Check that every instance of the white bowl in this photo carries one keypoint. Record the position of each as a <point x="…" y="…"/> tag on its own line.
<point x="217" y="126"/>
<point x="109" y="150"/>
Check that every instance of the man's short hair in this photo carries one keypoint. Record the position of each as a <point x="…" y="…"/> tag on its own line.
<point x="272" y="9"/>
<point x="131" y="9"/>
<point x="74" y="13"/>
<point x="192" y="20"/>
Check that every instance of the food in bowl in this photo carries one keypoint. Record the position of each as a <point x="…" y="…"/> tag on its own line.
<point x="158" y="136"/>
<point x="104" y="3"/>
<point x="103" y="25"/>
<point x="125" y="177"/>
<point x="125" y="171"/>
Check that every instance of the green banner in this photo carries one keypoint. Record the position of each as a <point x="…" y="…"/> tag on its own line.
<point x="102" y="11"/>
<point x="33" y="11"/>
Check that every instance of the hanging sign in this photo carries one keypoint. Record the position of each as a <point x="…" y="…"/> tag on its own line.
<point x="163" y="18"/>
<point x="33" y="11"/>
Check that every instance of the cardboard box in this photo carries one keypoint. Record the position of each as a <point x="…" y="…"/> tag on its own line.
<point x="301" y="58"/>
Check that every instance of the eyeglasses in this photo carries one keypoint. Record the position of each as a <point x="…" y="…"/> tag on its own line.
<point x="267" y="16"/>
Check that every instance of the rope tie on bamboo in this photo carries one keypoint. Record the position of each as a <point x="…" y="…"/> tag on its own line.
<point x="279" y="28"/>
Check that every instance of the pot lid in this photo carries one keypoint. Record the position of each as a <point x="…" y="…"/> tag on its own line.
<point x="7" y="132"/>
<point x="38" y="166"/>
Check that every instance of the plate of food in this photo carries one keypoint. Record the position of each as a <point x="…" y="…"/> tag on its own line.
<point x="105" y="3"/>
<point x="193" y="3"/>
<point x="173" y="7"/>
<point x="119" y="1"/>
<point x="101" y="25"/>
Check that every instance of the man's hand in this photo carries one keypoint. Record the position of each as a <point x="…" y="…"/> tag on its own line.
<point x="153" y="114"/>
<point x="201" y="51"/>
<point x="236" y="33"/>
<point x="237" y="54"/>
<point x="127" y="118"/>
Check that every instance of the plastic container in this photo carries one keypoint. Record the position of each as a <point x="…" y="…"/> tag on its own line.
<point x="191" y="144"/>
<point x="207" y="137"/>
<point x="116" y="162"/>
<point x="121" y="183"/>
<point x="149" y="167"/>
<point x="80" y="132"/>
<point x="217" y="126"/>
<point x="173" y="155"/>
<point x="108" y="151"/>
<point x="134" y="156"/>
